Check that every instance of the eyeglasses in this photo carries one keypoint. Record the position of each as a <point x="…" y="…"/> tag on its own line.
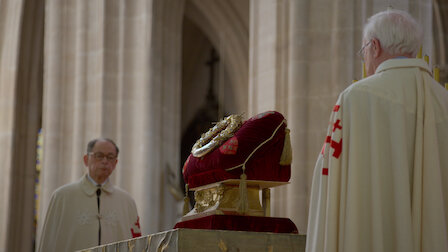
<point x="361" y="51"/>
<point x="100" y="156"/>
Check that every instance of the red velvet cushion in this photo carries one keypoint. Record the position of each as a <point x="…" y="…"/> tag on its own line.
<point x="241" y="223"/>
<point x="263" y="165"/>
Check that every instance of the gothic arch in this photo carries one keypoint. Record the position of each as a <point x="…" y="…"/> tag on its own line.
<point x="226" y="23"/>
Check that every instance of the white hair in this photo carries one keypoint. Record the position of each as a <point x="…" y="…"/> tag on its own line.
<point x="397" y="31"/>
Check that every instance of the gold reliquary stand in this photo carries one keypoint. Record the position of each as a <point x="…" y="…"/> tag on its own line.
<point x="224" y="198"/>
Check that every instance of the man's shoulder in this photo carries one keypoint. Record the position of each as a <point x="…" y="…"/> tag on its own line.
<point x="392" y="85"/>
<point x="120" y="192"/>
<point x="67" y="188"/>
<point x="392" y="73"/>
<point x="369" y="84"/>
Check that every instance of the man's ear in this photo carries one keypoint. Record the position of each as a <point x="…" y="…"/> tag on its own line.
<point x="376" y="46"/>
<point x="86" y="160"/>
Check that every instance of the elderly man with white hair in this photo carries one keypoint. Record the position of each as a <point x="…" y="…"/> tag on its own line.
<point x="381" y="180"/>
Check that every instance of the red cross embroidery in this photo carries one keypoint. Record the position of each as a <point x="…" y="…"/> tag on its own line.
<point x="333" y="144"/>
<point x="337" y="125"/>
<point x="337" y="148"/>
<point x="325" y="171"/>
<point x="136" y="234"/>
<point x="336" y="108"/>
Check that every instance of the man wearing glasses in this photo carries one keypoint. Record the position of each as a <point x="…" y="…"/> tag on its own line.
<point x="381" y="180"/>
<point x="92" y="211"/>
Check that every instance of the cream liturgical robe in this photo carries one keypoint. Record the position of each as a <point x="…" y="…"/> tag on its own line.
<point x="381" y="180"/>
<point x="72" y="221"/>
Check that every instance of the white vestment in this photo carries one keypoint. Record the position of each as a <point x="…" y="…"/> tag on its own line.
<point x="72" y="221"/>
<point x="381" y="180"/>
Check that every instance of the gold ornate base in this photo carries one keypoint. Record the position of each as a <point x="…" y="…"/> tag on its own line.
<point x="223" y="198"/>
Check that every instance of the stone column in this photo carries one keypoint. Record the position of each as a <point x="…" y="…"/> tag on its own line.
<point x="162" y="110"/>
<point x="21" y="37"/>
<point x="269" y="50"/>
<point x="10" y="18"/>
